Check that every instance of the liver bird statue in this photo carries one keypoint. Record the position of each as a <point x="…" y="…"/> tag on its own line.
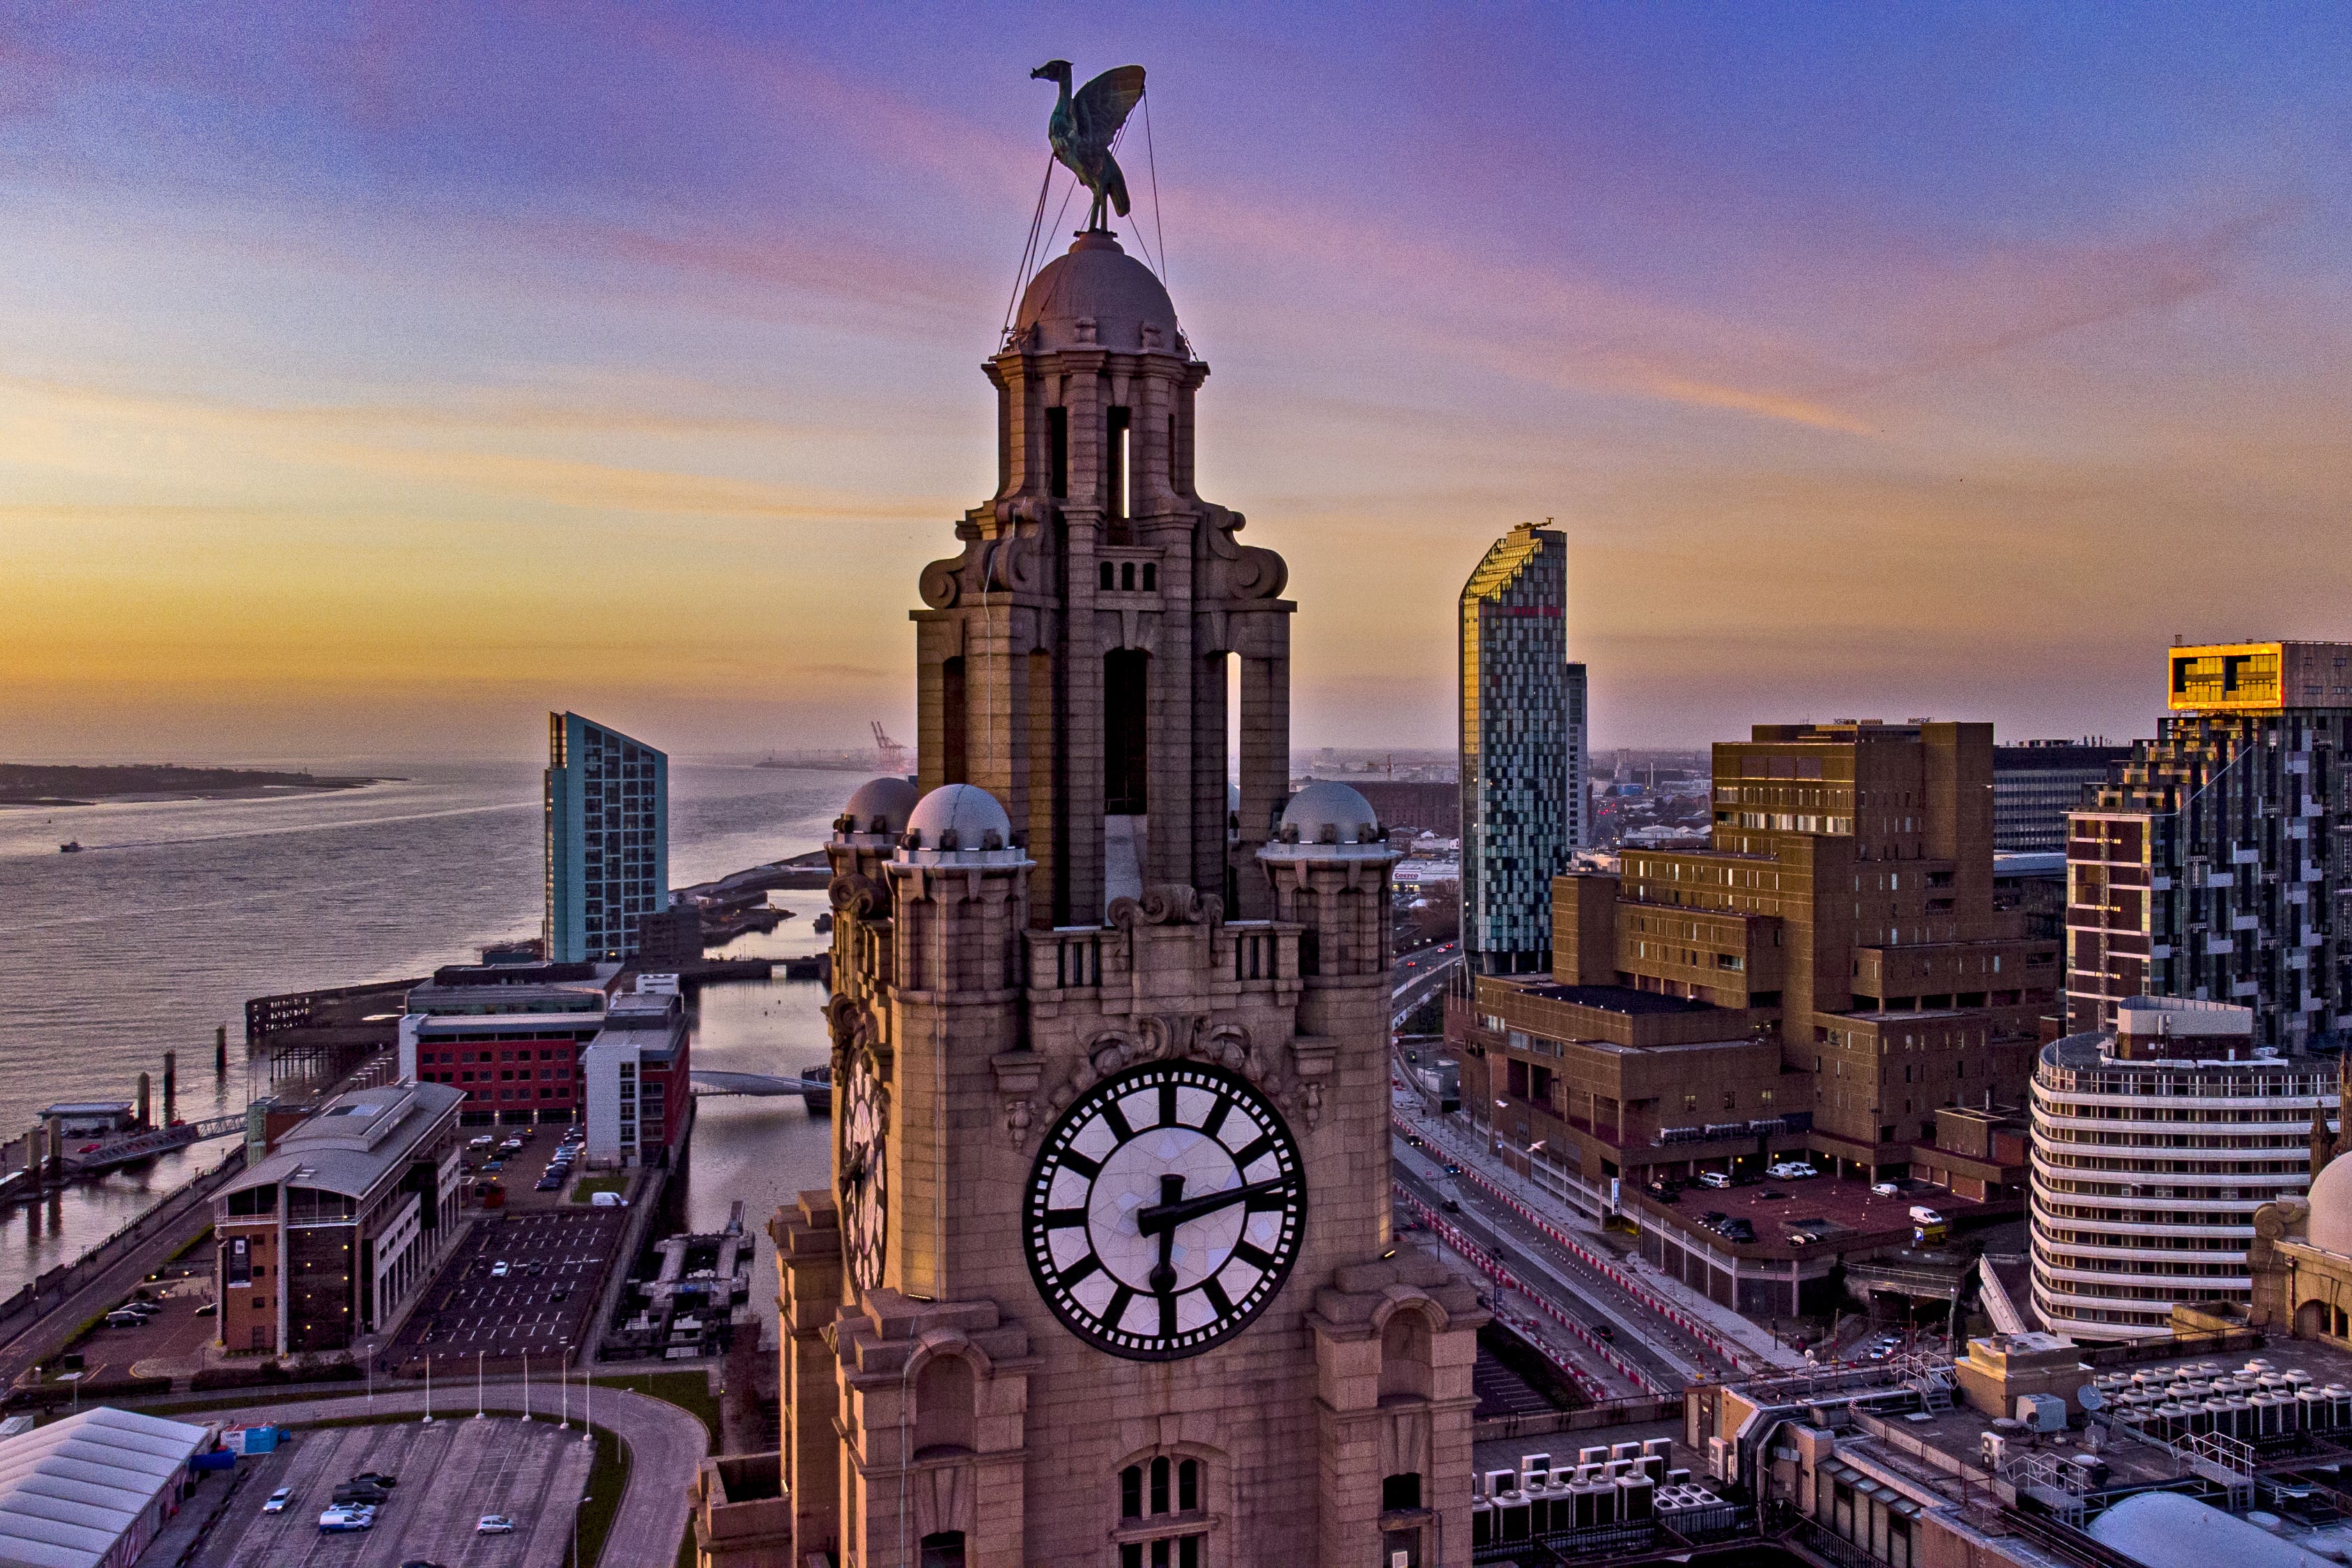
<point x="1084" y="125"/>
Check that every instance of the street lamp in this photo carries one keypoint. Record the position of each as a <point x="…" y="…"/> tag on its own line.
<point x="565" y="1383"/>
<point x="478" y="1412"/>
<point x="588" y="1402"/>
<point x="1495" y="1127"/>
<point x="584" y="1502"/>
<point x="428" y="1389"/>
<point x="525" y="1386"/>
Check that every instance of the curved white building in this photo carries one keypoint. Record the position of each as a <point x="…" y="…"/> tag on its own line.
<point x="2154" y="1143"/>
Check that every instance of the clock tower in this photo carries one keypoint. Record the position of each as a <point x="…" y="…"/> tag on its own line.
<point x="1106" y="1275"/>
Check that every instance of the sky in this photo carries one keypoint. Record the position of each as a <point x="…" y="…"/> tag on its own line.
<point x="376" y="377"/>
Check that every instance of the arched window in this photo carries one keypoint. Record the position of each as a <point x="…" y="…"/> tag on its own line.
<point x="1162" y="1511"/>
<point x="942" y="1549"/>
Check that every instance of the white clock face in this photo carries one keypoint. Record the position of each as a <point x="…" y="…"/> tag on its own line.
<point x="863" y="1122"/>
<point x="1165" y="1210"/>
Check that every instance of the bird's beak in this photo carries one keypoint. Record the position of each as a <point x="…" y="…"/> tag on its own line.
<point x="1041" y="70"/>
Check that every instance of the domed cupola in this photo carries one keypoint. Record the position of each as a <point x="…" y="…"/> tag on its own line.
<point x="959" y="825"/>
<point x="1331" y="821"/>
<point x="1096" y="296"/>
<point x="878" y="811"/>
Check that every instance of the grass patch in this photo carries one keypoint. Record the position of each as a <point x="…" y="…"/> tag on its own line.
<point x="202" y="1239"/>
<point x="585" y="1188"/>
<point x="689" y="1391"/>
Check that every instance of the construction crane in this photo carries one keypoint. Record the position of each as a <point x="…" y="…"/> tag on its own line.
<point x="892" y="754"/>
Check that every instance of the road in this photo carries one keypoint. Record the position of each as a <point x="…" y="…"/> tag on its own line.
<point x="1543" y="1269"/>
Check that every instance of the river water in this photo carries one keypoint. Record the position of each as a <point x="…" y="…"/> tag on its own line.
<point x="180" y="909"/>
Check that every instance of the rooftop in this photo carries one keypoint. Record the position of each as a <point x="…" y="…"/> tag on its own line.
<point x="356" y="1140"/>
<point x="1617" y="999"/>
<point x="69" y="1490"/>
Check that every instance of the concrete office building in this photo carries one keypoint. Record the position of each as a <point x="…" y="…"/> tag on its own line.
<point x="1844" y="914"/>
<point x="506" y="1037"/>
<point x="607" y="838"/>
<point x="2217" y="865"/>
<point x="2154" y="1139"/>
<point x="2036" y="782"/>
<point x="325" y="1238"/>
<point x="1524" y="802"/>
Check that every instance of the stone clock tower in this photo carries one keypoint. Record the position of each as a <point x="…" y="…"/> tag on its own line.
<point x="1106" y="1275"/>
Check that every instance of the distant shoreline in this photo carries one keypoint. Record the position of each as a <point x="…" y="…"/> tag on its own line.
<point x="33" y="784"/>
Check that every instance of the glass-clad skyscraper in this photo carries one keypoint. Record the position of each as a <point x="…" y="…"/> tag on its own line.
<point x="608" y="811"/>
<point x="1523" y="792"/>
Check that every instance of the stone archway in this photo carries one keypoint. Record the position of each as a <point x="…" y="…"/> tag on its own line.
<point x="2313" y="1320"/>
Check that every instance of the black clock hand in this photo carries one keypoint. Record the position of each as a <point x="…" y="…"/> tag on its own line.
<point x="1163" y="1273"/>
<point x="1169" y="1213"/>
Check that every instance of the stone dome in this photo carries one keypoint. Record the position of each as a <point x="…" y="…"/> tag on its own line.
<point x="968" y="811"/>
<point x="2331" y="1208"/>
<point x="880" y="806"/>
<point x="1097" y="296"/>
<point x="1329" y="812"/>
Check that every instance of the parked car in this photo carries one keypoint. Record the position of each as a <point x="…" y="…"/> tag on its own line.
<point x="548" y="1183"/>
<point x="358" y="1493"/>
<point x="118" y="1319"/>
<point x="1715" y="1179"/>
<point x="379" y="1477"/>
<point x="209" y="1309"/>
<point x="339" y="1519"/>
<point x="494" y="1524"/>
<point x="499" y="1270"/>
<point x="1790" y="1171"/>
<point x="276" y="1501"/>
<point x="1885" y="1189"/>
<point x="483" y="1142"/>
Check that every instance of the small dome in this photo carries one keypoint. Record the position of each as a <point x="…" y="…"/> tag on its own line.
<point x="1097" y="282"/>
<point x="1329" y="812"/>
<point x="968" y="811"/>
<point x="2331" y="1208"/>
<point x="880" y="806"/>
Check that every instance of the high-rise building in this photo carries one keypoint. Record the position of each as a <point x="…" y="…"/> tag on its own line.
<point x="1107" y="1272"/>
<point x="1524" y="802"/>
<point x="2036" y="782"/>
<point x="2217" y="865"/>
<point x="607" y="826"/>
<point x="1844" y="911"/>
<point x="2155" y="1137"/>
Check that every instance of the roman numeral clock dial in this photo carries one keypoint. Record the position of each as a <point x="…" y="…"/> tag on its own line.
<point x="1164" y="1210"/>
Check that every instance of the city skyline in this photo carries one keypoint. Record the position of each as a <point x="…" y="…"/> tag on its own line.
<point x="349" y="364"/>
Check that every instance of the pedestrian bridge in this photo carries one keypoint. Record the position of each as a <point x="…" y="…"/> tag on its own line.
<point x="113" y="1151"/>
<point x="759" y="1083"/>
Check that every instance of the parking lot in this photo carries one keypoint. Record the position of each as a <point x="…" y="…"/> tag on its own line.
<point x="174" y="1337"/>
<point x="450" y="1473"/>
<point x="554" y="1268"/>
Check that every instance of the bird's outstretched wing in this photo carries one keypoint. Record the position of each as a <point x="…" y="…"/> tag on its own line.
<point x="1102" y="106"/>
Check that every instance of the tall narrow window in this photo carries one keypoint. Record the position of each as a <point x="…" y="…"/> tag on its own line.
<point x="1160" y="1468"/>
<point x="1125" y="682"/>
<point x="1127" y="575"/>
<point x="1108" y="577"/>
<point x="1175" y="479"/>
<point x="1057" y="430"/>
<point x="1116" y="443"/>
<point x="954" y="720"/>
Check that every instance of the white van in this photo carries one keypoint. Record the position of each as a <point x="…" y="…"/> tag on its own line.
<point x="608" y="1201"/>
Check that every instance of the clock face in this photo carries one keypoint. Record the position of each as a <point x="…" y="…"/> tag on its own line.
<point x="1165" y="1210"/>
<point x="863" y="1120"/>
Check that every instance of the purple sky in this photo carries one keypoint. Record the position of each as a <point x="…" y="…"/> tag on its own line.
<point x="376" y="378"/>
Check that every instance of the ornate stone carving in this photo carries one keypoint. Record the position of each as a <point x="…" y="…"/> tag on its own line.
<point x="855" y="896"/>
<point x="1168" y="904"/>
<point x="1238" y="571"/>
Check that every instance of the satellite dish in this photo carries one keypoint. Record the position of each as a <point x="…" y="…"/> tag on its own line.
<point x="2091" y="1398"/>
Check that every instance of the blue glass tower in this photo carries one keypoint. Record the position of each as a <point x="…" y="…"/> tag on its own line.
<point x="607" y="814"/>
<point x="1523" y="792"/>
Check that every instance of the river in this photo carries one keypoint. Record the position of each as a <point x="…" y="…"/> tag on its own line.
<point x="179" y="910"/>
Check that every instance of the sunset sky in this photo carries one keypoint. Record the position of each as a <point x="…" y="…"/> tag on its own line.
<point x="373" y="378"/>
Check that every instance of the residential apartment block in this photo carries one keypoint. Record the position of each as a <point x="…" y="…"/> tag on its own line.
<point x="1524" y="802"/>
<point x="2217" y="866"/>
<point x="2156" y="1137"/>
<point x="607" y="839"/>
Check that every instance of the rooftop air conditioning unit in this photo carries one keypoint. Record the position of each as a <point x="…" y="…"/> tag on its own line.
<point x="1994" y="1447"/>
<point x="2042" y="1412"/>
<point x="1722" y="1460"/>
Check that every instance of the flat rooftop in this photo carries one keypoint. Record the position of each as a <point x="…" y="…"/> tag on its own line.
<point x="1848" y="1206"/>
<point x="1618" y="999"/>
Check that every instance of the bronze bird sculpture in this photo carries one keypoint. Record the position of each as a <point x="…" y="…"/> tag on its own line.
<point x="1084" y="126"/>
